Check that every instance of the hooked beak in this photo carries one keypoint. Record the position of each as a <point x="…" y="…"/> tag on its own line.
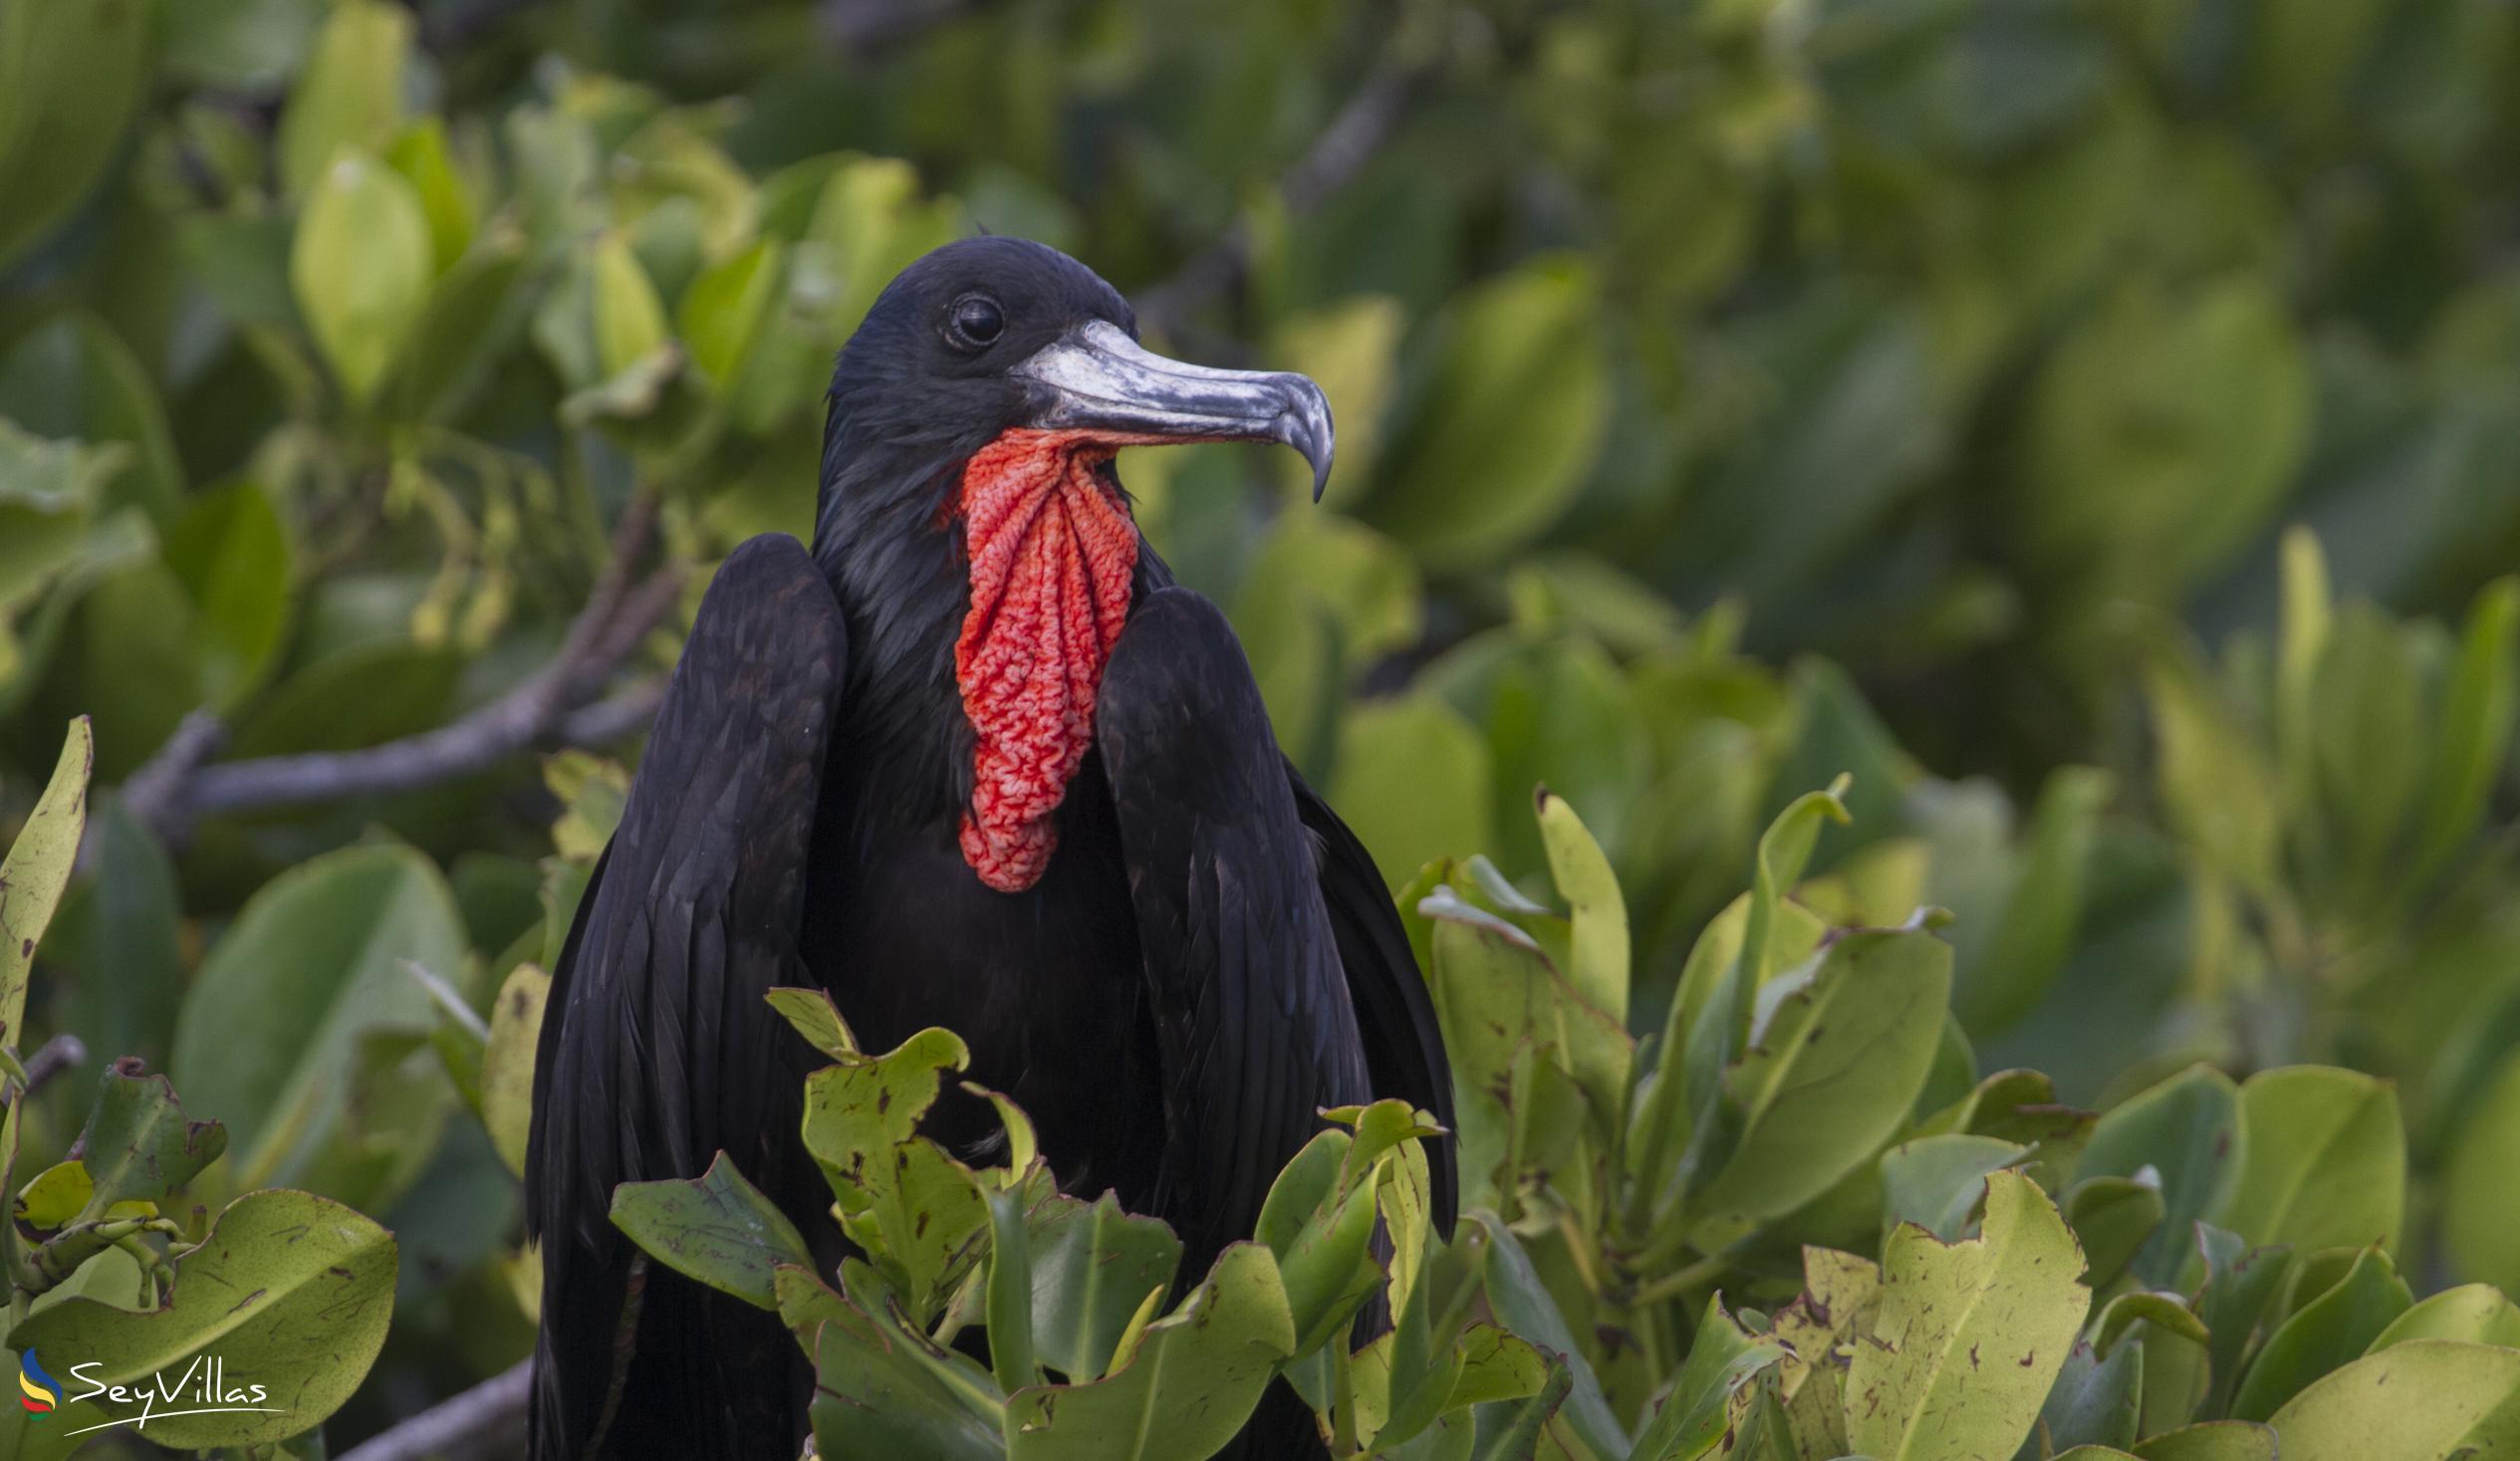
<point x="1097" y="378"/>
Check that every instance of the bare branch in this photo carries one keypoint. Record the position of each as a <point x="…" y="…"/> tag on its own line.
<point x="61" y="1052"/>
<point x="615" y="718"/>
<point x="174" y="787"/>
<point x="488" y="1419"/>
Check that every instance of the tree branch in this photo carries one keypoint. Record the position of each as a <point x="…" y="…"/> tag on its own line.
<point x="175" y="788"/>
<point x="486" y="1420"/>
<point x="1360" y="130"/>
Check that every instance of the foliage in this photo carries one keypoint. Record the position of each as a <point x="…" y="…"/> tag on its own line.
<point x="130" y="1294"/>
<point x="1806" y="1281"/>
<point x="2089" y="424"/>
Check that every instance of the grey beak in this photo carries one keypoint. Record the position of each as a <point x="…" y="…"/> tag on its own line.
<point x="1095" y="378"/>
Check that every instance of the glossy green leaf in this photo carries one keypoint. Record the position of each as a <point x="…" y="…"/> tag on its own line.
<point x="1523" y="1304"/>
<point x="1511" y="416"/>
<point x="37" y="870"/>
<point x="269" y="1037"/>
<point x="2326" y="1163"/>
<point x="1831" y="1071"/>
<point x="1970" y="1335"/>
<point x="73" y="73"/>
<point x="1093" y="1266"/>
<point x="291" y="1292"/>
<point x="361" y="267"/>
<point x="2478" y="1314"/>
<point x="2483" y="1190"/>
<point x="2210" y="1441"/>
<point x="2187" y="1131"/>
<point x="138" y="1145"/>
<point x="507" y="1062"/>
<point x="1183" y="1390"/>
<point x="2095" y="1401"/>
<point x="715" y="1227"/>
<point x="351" y="93"/>
<point x="2324" y="1334"/>
<point x="1935" y="1181"/>
<point x="2470" y="1405"/>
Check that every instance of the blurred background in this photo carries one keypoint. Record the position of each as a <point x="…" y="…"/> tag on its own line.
<point x="2093" y="424"/>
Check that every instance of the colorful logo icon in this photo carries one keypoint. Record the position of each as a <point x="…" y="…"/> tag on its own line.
<point x="43" y="1393"/>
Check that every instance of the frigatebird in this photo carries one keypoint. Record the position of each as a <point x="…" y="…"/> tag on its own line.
<point x="973" y="760"/>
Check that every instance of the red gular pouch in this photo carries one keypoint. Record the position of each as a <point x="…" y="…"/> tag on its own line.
<point x="1053" y="553"/>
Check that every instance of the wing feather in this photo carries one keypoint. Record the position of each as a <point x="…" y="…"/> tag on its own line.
<point x="657" y="1051"/>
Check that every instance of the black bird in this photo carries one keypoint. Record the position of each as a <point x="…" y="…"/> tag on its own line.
<point x="974" y="760"/>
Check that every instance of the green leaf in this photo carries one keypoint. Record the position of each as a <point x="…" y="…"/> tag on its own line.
<point x="1720" y="1025"/>
<point x="507" y="1062"/>
<point x="1507" y="422"/>
<point x="72" y="378"/>
<point x="2470" y="1405"/>
<point x="2210" y="1441"/>
<point x="1831" y="1071"/>
<point x="2240" y="1282"/>
<point x="1319" y="1226"/>
<point x="814" y="1015"/>
<point x="290" y="1290"/>
<point x="419" y="155"/>
<point x="716" y="1228"/>
<point x="2478" y="1314"/>
<point x="1970" y="1335"/>
<point x="361" y="267"/>
<point x="1522" y="1303"/>
<point x="139" y="1146"/>
<point x="2326" y="1160"/>
<point x="1510" y="1431"/>
<point x="71" y="75"/>
<point x="1599" y="962"/>
<point x="2216" y="786"/>
<point x="1410" y="782"/>
<point x="2042" y="911"/>
<point x="881" y="1385"/>
<point x="2112" y="1218"/>
<point x="1092" y="1267"/>
<point x="2187" y="1131"/>
<point x="2336" y="1327"/>
<point x="37" y="870"/>
<point x="1692" y="1418"/>
<point x="1186" y="1386"/>
<point x="911" y="1208"/>
<point x="629" y="320"/>
<point x="117" y="940"/>
<point x="722" y="310"/>
<point x="351" y="93"/>
<point x="228" y="550"/>
<point x="2165" y="1314"/>
<point x="2366" y="738"/>
<point x="2164" y="431"/>
<point x="1935" y="1181"/>
<point x="270" y="1033"/>
<point x="2482" y="1187"/>
<point x="2096" y="1402"/>
<point x="2473" y="738"/>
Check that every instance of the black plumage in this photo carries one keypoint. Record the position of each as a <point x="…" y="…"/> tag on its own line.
<point x="1206" y="959"/>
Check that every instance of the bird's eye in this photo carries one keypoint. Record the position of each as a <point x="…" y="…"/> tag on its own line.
<point x="975" y="321"/>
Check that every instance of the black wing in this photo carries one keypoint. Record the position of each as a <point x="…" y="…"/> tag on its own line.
<point x="657" y="1048"/>
<point x="1403" y="1045"/>
<point x="1276" y="987"/>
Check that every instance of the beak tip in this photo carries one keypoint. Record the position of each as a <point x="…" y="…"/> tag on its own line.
<point x="1309" y="431"/>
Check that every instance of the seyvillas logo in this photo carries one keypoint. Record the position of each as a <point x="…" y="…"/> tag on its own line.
<point x="203" y="1389"/>
<point x="40" y="1392"/>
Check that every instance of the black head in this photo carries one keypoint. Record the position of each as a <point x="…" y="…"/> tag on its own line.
<point x="990" y="334"/>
